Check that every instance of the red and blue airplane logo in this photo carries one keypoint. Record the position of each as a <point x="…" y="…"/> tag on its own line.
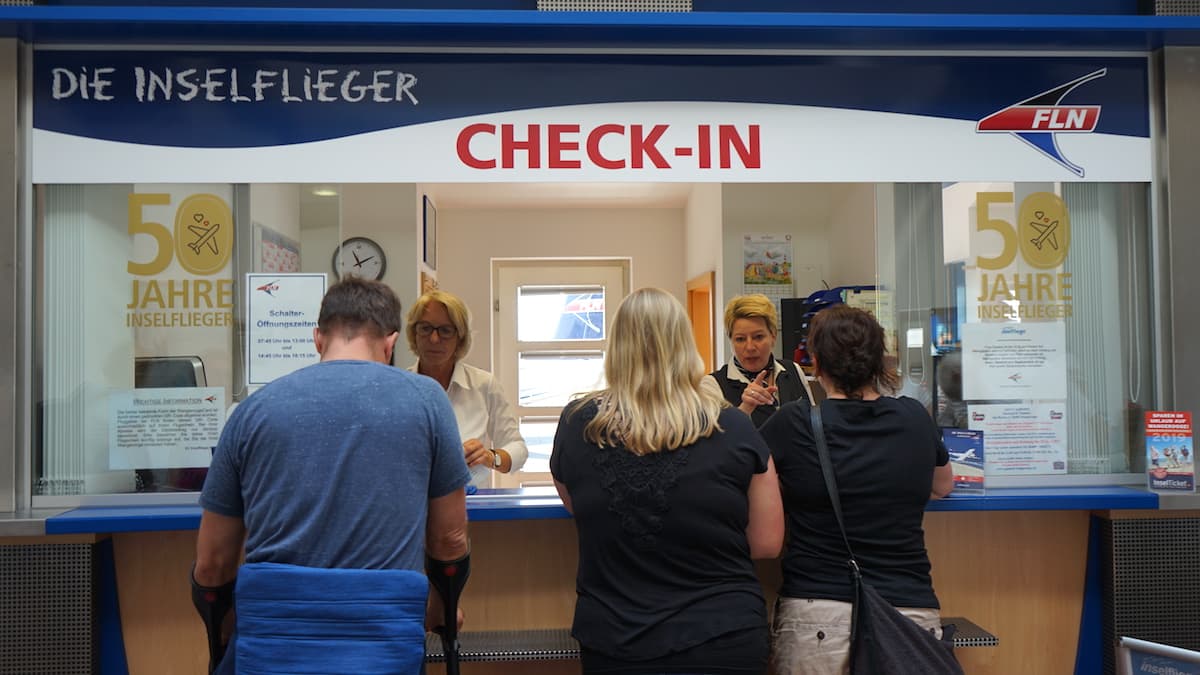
<point x="269" y="288"/>
<point x="1039" y="119"/>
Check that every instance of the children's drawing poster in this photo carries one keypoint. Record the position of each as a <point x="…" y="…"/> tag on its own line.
<point x="767" y="259"/>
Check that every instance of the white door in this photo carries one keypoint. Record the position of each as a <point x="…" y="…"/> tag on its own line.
<point x="549" y="337"/>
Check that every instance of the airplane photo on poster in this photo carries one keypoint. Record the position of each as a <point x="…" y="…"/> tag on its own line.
<point x="966" y="457"/>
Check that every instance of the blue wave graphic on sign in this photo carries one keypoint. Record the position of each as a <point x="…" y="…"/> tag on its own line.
<point x="255" y="99"/>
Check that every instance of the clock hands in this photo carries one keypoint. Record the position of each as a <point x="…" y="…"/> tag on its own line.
<point x="360" y="262"/>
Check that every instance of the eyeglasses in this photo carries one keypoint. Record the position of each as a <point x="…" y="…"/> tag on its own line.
<point x="445" y="331"/>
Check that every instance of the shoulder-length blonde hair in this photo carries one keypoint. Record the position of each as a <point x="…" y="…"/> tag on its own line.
<point x="654" y="400"/>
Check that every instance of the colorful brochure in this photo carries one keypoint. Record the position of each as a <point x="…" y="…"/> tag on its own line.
<point x="1170" y="454"/>
<point x="966" y="457"/>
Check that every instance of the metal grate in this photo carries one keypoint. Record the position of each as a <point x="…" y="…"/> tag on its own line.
<point x="967" y="633"/>
<point x="46" y="609"/>
<point x="507" y="645"/>
<point x="1177" y="7"/>
<point x="615" y="5"/>
<point x="1152" y="583"/>
<point x="557" y="643"/>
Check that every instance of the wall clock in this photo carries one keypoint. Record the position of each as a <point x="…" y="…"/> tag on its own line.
<point x="359" y="257"/>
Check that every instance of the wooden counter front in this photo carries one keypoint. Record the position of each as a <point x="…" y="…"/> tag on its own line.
<point x="1018" y="574"/>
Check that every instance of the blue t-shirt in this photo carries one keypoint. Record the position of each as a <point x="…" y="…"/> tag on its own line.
<point x="334" y="465"/>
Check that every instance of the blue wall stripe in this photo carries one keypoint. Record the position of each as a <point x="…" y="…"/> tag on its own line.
<point x="1089" y="654"/>
<point x="889" y="6"/>
<point x="110" y="641"/>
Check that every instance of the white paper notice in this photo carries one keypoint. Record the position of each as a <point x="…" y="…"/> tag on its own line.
<point x="1006" y="361"/>
<point x="281" y="313"/>
<point x="1022" y="438"/>
<point x="164" y="428"/>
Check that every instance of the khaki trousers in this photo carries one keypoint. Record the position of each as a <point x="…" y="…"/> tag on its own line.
<point x="812" y="637"/>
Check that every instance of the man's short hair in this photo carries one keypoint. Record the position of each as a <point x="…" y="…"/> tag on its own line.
<point x="355" y="306"/>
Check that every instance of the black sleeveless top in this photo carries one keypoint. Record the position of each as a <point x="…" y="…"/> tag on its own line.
<point x="788" y="381"/>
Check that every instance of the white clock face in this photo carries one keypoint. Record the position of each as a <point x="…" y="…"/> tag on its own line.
<point x="359" y="257"/>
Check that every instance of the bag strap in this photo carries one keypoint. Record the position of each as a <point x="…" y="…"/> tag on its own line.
<point x="818" y="431"/>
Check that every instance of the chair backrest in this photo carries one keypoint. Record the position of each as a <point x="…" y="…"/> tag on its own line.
<point x="1140" y="656"/>
<point x="299" y="620"/>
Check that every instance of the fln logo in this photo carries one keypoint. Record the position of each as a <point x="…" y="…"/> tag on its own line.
<point x="1039" y="119"/>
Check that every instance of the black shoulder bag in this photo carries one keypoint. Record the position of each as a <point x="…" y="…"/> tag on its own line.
<point x="882" y="640"/>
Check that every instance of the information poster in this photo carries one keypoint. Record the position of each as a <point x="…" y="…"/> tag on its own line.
<point x="966" y="457"/>
<point x="164" y="428"/>
<point x="1022" y="438"/>
<point x="281" y="313"/>
<point x="1007" y="361"/>
<point x="1170" y="454"/>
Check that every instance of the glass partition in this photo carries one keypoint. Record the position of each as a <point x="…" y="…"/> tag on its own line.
<point x="139" y="306"/>
<point x="1020" y="309"/>
<point x="1023" y="310"/>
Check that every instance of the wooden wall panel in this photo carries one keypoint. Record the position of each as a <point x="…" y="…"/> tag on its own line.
<point x="1019" y="575"/>
<point x="163" y="634"/>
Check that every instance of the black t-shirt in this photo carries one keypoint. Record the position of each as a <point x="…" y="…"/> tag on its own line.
<point x="664" y="563"/>
<point x="883" y="452"/>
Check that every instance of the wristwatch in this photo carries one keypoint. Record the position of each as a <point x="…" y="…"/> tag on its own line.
<point x="497" y="460"/>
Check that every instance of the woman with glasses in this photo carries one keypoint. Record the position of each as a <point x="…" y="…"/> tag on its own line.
<point x="439" y="333"/>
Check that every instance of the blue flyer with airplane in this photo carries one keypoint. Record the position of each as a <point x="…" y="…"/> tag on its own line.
<point x="966" y="457"/>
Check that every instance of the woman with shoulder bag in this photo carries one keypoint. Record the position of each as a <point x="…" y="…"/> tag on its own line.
<point x="889" y="461"/>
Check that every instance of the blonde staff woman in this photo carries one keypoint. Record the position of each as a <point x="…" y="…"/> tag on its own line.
<point x="673" y="494"/>
<point x="757" y="382"/>
<point x="439" y="333"/>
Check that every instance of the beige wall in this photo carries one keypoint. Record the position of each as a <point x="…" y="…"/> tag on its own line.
<point x="470" y="238"/>
<point x="702" y="217"/>
<point x="851" y="236"/>
<point x="386" y="213"/>
<point x="804" y="210"/>
<point x="276" y="206"/>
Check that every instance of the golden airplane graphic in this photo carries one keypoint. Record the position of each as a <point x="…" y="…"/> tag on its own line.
<point x="204" y="236"/>
<point x="1047" y="232"/>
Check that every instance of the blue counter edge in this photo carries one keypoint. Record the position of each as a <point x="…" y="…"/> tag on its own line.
<point x="510" y="505"/>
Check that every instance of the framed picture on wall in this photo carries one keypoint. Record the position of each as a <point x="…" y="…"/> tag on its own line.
<point x="275" y="252"/>
<point x="429" y="233"/>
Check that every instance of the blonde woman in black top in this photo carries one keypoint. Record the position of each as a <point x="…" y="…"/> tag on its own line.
<point x="889" y="461"/>
<point x="673" y="494"/>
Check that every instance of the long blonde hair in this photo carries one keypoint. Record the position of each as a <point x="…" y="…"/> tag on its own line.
<point x="654" y="400"/>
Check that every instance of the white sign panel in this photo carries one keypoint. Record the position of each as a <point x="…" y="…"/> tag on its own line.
<point x="1005" y="361"/>
<point x="281" y="313"/>
<point x="164" y="428"/>
<point x="1022" y="438"/>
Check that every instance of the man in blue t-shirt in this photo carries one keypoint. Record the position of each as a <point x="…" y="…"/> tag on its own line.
<point x="348" y="463"/>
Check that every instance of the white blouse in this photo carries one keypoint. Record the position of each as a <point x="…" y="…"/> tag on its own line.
<point x="483" y="413"/>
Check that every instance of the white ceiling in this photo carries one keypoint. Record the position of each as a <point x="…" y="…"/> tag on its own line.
<point x="558" y="195"/>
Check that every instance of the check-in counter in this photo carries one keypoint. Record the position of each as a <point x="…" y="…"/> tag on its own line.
<point x="1014" y="561"/>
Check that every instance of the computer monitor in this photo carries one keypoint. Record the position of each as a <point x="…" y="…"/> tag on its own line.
<point x="156" y="372"/>
<point x="168" y="371"/>
<point x="1141" y="656"/>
